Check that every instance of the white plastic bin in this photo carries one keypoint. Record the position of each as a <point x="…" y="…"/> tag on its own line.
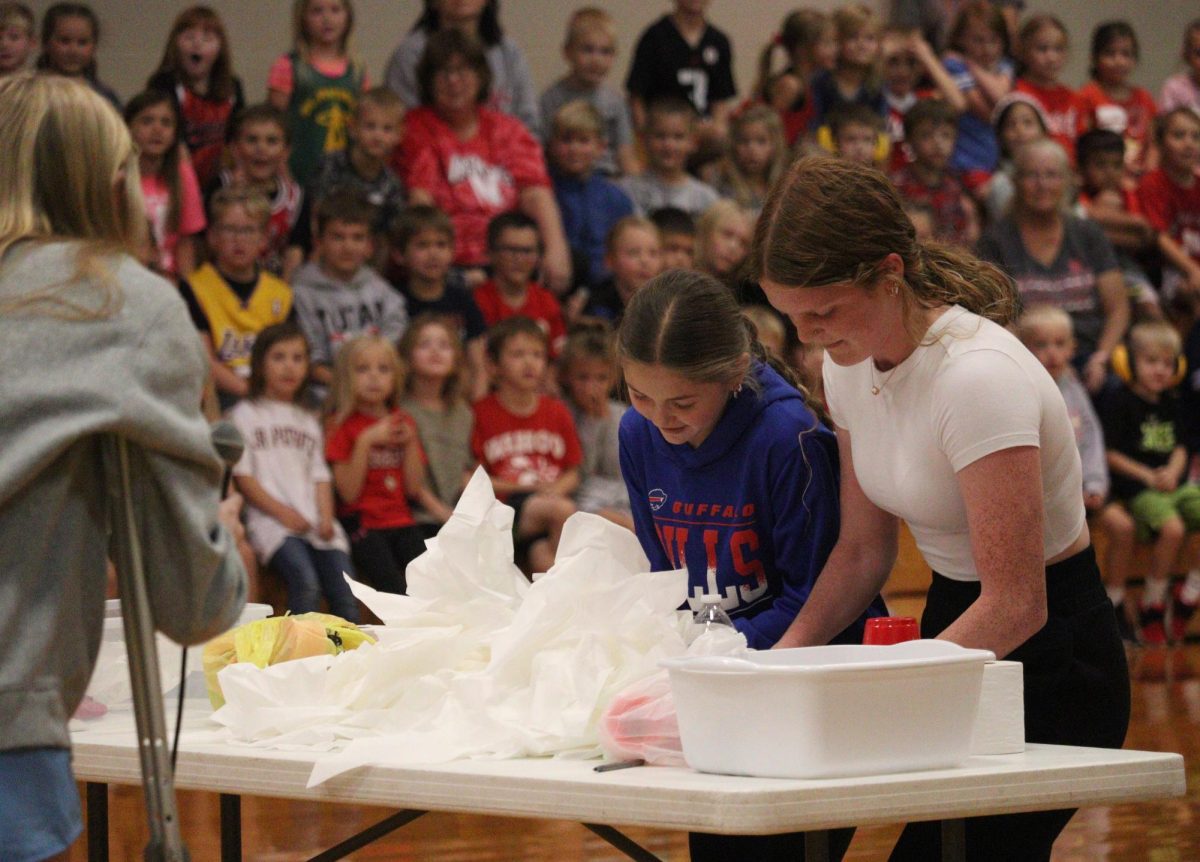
<point x="827" y="712"/>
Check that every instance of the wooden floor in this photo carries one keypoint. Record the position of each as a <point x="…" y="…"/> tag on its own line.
<point x="1166" y="717"/>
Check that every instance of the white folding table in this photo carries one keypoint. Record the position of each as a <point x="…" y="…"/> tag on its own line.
<point x="1044" y="777"/>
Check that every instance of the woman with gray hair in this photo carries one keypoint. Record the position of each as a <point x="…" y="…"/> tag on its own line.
<point x="1059" y="259"/>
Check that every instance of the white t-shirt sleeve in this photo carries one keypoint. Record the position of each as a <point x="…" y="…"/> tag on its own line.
<point x="319" y="466"/>
<point x="984" y="402"/>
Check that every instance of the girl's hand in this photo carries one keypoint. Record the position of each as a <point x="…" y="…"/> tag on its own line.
<point x="325" y="529"/>
<point x="1093" y="502"/>
<point x="294" y="521"/>
<point x="388" y="431"/>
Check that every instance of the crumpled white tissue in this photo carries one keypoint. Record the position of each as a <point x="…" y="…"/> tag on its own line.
<point x="475" y="662"/>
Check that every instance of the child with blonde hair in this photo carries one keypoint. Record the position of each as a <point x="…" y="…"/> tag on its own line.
<point x="758" y="157"/>
<point x="1148" y="462"/>
<point x="17" y="39"/>
<point x="434" y="397"/>
<point x="634" y="256"/>
<point x="769" y="330"/>
<point x="854" y="78"/>
<point x="588" y="373"/>
<point x="378" y="463"/>
<point x="317" y="83"/>
<point x="723" y="235"/>
<point x="589" y="49"/>
<point x="590" y="203"/>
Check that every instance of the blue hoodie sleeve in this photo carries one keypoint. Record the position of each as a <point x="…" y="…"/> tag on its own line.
<point x="804" y="502"/>
<point x="633" y="447"/>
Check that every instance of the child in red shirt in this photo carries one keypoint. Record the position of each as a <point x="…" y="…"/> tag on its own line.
<point x="1110" y="102"/>
<point x="514" y="247"/>
<point x="526" y="441"/>
<point x="1042" y="44"/>
<point x="378" y="463"/>
<point x="931" y="128"/>
<point x="1170" y="200"/>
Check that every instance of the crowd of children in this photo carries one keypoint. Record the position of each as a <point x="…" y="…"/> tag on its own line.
<point x="375" y="298"/>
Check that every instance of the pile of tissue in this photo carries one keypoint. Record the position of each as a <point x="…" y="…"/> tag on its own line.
<point x="475" y="661"/>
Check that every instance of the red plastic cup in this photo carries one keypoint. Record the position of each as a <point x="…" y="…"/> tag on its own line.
<point x="882" y="631"/>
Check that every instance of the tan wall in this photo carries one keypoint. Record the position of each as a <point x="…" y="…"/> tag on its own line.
<point x="134" y="32"/>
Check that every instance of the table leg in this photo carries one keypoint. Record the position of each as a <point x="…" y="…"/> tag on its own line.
<point x="816" y="846"/>
<point x="622" y="842"/>
<point x="954" y="840"/>
<point x="97" y="822"/>
<point x="368" y="835"/>
<point x="231" y="828"/>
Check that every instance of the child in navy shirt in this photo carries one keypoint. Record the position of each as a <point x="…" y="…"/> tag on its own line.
<point x="681" y="55"/>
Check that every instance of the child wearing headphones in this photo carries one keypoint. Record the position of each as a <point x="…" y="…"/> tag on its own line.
<point x="1148" y="462"/>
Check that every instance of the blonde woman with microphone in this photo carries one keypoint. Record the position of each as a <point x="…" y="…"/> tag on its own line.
<point x="91" y="343"/>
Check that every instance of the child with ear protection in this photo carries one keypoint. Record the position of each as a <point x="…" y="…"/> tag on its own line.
<point x="1148" y="462"/>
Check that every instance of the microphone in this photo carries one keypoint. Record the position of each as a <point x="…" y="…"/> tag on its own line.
<point x="228" y="442"/>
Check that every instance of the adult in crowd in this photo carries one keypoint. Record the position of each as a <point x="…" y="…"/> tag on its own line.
<point x="946" y="421"/>
<point x="91" y="343"/>
<point x="1060" y="259"/>
<point x="473" y="162"/>
<point x="511" y="90"/>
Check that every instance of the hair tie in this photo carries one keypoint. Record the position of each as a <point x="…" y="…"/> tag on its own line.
<point x="777" y="39"/>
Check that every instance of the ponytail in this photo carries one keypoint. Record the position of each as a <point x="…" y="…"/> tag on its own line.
<point x="946" y="275"/>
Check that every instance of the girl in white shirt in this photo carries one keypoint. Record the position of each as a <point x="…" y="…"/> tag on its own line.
<point x="286" y="482"/>
<point x="946" y="421"/>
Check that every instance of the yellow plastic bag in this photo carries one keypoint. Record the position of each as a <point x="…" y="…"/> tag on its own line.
<point x="278" y="639"/>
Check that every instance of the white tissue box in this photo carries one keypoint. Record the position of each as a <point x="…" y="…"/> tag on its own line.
<point x="1000" y="723"/>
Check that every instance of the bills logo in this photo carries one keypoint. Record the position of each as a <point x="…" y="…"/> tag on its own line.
<point x="657" y="498"/>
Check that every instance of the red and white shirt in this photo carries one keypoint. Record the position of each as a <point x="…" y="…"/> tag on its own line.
<point x="383" y="502"/>
<point x="540" y="305"/>
<point x="474" y="180"/>
<point x="526" y="450"/>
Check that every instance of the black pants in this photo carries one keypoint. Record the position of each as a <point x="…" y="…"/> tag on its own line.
<point x="381" y="556"/>
<point x="1076" y="693"/>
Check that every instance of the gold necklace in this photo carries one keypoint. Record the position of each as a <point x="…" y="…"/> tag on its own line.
<point x="876" y="388"/>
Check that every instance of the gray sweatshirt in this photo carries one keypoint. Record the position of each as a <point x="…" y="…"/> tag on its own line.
<point x="331" y="311"/>
<point x="137" y="373"/>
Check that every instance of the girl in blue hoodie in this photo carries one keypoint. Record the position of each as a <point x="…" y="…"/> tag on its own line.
<point x="730" y="474"/>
